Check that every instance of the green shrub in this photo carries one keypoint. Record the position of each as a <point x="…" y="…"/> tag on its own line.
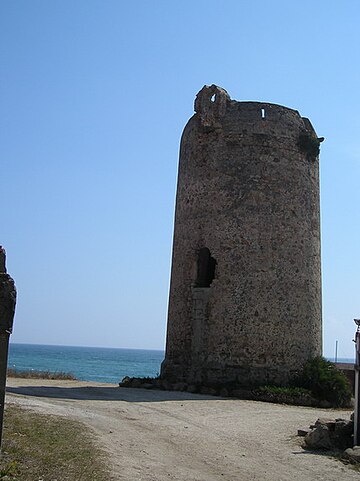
<point x="289" y="391"/>
<point x="325" y="382"/>
<point x="309" y="145"/>
<point x="286" y="395"/>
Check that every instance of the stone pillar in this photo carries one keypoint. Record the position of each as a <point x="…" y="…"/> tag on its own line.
<point x="7" y="311"/>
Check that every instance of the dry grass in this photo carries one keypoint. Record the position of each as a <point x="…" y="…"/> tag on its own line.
<point x="48" y="448"/>
<point x="64" y="376"/>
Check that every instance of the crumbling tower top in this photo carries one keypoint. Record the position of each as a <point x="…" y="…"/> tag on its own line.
<point x="2" y="260"/>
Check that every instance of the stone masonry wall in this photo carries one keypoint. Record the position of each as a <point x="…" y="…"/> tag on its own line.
<point x="248" y="191"/>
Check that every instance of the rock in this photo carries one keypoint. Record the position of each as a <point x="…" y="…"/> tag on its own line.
<point x="341" y="423"/>
<point x="242" y="393"/>
<point x="353" y="454"/>
<point x="330" y="423"/>
<point x="157" y="383"/>
<point x="208" y="390"/>
<point x="136" y="382"/>
<point x="146" y="385"/>
<point x="224" y="392"/>
<point x="180" y="386"/>
<point x="319" y="438"/>
<point x="166" y="385"/>
<point x="330" y="434"/>
<point x="303" y="432"/>
<point x="192" y="388"/>
<point x="126" y="382"/>
<point x="343" y="435"/>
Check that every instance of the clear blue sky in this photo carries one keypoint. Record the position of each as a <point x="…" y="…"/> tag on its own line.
<point x="94" y="95"/>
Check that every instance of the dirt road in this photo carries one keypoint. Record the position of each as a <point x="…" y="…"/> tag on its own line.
<point x="173" y="436"/>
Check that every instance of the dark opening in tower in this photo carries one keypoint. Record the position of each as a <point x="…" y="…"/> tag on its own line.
<point x="205" y="268"/>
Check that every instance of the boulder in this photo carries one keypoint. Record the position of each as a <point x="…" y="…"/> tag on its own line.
<point x="179" y="386"/>
<point x="343" y="433"/>
<point x="329" y="434"/>
<point x="242" y="393"/>
<point x="166" y="385"/>
<point x="192" y="388"/>
<point x="330" y="423"/>
<point x="224" y="392"/>
<point x="146" y="385"/>
<point x="353" y="454"/>
<point x="157" y="383"/>
<point x="136" y="382"/>
<point x="126" y="382"/>
<point x="208" y="390"/>
<point x="319" y="438"/>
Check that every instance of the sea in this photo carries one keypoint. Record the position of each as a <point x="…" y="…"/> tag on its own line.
<point x="98" y="364"/>
<point x="86" y="363"/>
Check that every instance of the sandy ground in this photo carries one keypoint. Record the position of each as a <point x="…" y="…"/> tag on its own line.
<point x="158" y="436"/>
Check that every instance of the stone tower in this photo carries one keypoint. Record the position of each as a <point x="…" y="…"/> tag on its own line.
<point x="245" y="294"/>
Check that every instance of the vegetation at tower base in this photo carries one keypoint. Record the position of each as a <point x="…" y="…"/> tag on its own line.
<point x="325" y="382"/>
<point x="319" y="380"/>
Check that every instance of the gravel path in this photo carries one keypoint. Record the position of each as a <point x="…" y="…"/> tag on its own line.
<point x="158" y="436"/>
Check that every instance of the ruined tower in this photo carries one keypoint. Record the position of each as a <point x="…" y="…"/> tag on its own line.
<point x="245" y="294"/>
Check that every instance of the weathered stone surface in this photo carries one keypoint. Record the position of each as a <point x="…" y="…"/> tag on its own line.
<point x="208" y="390"/>
<point x="166" y="385"/>
<point x="330" y="423"/>
<point x="136" y="382"/>
<point x="242" y="393"/>
<point x="2" y="260"/>
<point x="7" y="296"/>
<point x="319" y="438"/>
<point x="245" y="295"/>
<point x="147" y="385"/>
<point x="330" y="434"/>
<point x="125" y="382"/>
<point x="179" y="386"/>
<point x="192" y="388"/>
<point x="224" y="392"/>
<point x="353" y="454"/>
<point x="343" y="433"/>
<point x="157" y="383"/>
<point x="303" y="432"/>
<point x="7" y="312"/>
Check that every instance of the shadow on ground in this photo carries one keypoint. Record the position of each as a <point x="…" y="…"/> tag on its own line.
<point x="111" y="393"/>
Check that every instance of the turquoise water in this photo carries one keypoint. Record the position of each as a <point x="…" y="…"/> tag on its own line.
<point x="87" y="363"/>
